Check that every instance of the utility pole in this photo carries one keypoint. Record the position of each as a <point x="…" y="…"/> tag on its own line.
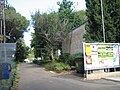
<point x="103" y="26"/>
<point x="2" y="21"/>
<point x="2" y="26"/>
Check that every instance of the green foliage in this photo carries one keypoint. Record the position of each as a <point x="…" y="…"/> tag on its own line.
<point x="41" y="62"/>
<point x="66" y="11"/>
<point x="79" y="18"/>
<point x="64" y="57"/>
<point x="47" y="34"/>
<point x="31" y="54"/>
<point x="94" y="32"/>
<point x="71" y="19"/>
<point x="57" y="66"/>
<point x="70" y="59"/>
<point x="22" y="50"/>
<point x="51" y="29"/>
<point x="16" y="24"/>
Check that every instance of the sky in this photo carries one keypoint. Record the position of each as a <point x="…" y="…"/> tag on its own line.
<point x="27" y="7"/>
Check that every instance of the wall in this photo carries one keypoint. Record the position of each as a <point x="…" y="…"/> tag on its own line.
<point x="73" y="42"/>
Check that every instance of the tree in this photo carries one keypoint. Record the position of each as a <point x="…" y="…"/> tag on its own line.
<point x="94" y="32"/>
<point x="66" y="14"/>
<point x="47" y="32"/>
<point x="51" y="29"/>
<point x="22" y="50"/>
<point x="80" y="18"/>
<point x="93" y="27"/>
<point x="115" y="15"/>
<point x="71" y="18"/>
<point x="16" y="24"/>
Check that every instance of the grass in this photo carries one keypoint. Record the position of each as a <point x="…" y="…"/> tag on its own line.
<point x="16" y="79"/>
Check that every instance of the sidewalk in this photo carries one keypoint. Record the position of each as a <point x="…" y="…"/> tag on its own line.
<point x="115" y="79"/>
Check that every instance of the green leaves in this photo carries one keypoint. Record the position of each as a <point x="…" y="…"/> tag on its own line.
<point x="51" y="29"/>
<point x="57" y="66"/>
<point x="94" y="31"/>
<point x="22" y="50"/>
<point x="15" y="24"/>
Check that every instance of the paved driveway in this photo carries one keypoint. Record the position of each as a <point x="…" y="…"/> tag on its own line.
<point x="33" y="77"/>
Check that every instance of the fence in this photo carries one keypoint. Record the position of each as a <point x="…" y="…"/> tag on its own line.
<point x="7" y="65"/>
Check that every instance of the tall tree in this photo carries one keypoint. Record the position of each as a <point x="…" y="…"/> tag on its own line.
<point x="66" y="14"/>
<point x="51" y="29"/>
<point x="72" y="19"/>
<point x="115" y="15"/>
<point x="94" y="32"/>
<point x="16" y="24"/>
<point x="22" y="50"/>
<point x="47" y="32"/>
<point x="79" y="18"/>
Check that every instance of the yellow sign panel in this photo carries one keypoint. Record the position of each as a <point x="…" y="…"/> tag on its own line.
<point x="88" y="49"/>
<point x="1" y="37"/>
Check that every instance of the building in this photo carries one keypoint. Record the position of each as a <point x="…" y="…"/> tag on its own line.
<point x="72" y="44"/>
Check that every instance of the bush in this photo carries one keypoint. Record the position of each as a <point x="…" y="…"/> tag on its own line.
<point x="57" y="66"/>
<point x="64" y="57"/>
<point x="70" y="59"/>
<point x="41" y="62"/>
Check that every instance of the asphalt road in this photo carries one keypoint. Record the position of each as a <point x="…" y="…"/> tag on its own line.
<point x="33" y="77"/>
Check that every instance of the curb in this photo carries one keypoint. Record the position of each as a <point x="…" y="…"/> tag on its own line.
<point x="112" y="79"/>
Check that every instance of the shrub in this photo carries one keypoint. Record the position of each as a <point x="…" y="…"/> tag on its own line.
<point x="57" y="66"/>
<point x="64" y="57"/>
<point x="70" y="59"/>
<point x="41" y="62"/>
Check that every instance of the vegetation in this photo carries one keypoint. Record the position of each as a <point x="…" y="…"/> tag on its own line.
<point x="51" y="29"/>
<point x="22" y="50"/>
<point x="57" y="66"/>
<point x="94" y="32"/>
<point x="16" y="78"/>
<point x="41" y="62"/>
<point x="30" y="55"/>
<point x="71" y="18"/>
<point x="47" y="34"/>
<point x="70" y="59"/>
<point x="16" y="24"/>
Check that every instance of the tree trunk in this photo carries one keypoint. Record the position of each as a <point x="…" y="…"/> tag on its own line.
<point x="52" y="56"/>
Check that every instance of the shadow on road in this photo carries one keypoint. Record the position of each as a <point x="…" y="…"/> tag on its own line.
<point x="70" y="75"/>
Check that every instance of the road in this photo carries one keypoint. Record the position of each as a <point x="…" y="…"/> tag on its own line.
<point x="33" y="77"/>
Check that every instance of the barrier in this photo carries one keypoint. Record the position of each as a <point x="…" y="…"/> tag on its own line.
<point x="7" y="65"/>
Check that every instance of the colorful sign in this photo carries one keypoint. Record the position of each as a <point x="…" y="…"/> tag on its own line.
<point x="101" y="55"/>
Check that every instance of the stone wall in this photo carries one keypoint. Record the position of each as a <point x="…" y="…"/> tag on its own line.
<point x="73" y="42"/>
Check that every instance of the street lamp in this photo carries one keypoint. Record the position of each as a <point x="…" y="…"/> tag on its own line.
<point x="103" y="21"/>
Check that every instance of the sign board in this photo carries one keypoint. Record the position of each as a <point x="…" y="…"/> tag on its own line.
<point x="1" y="37"/>
<point x="101" y="55"/>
